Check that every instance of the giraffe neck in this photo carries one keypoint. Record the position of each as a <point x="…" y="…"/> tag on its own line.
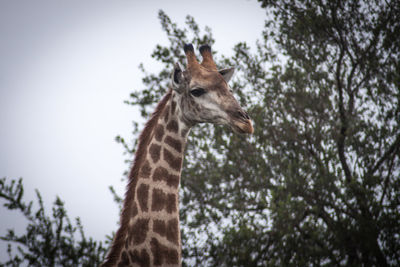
<point x="150" y="233"/>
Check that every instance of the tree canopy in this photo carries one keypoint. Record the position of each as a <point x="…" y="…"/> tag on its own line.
<point x="318" y="182"/>
<point x="49" y="240"/>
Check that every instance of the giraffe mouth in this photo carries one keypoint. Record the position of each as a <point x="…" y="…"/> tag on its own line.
<point x="243" y="126"/>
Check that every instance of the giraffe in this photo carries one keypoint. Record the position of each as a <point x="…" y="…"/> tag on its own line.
<point x="149" y="233"/>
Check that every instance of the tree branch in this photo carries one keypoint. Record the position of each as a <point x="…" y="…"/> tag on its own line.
<point x="395" y="146"/>
<point x="343" y="128"/>
<point x="385" y="185"/>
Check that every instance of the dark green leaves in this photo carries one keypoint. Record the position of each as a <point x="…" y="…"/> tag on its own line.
<point x="49" y="240"/>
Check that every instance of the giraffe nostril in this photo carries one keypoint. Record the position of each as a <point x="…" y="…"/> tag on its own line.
<point x="242" y="115"/>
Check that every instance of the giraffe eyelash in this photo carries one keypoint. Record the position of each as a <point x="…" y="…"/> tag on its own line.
<point x="197" y="92"/>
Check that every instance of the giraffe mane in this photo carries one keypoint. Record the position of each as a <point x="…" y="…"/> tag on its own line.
<point x="140" y="155"/>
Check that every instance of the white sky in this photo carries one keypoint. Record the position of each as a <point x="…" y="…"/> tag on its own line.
<point x="65" y="69"/>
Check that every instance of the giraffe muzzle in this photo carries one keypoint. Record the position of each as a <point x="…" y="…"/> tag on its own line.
<point x="243" y="127"/>
<point x="240" y="122"/>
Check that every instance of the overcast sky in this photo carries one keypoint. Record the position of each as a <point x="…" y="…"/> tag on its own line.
<point x="65" y="69"/>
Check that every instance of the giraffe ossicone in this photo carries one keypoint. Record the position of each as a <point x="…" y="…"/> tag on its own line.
<point x="149" y="233"/>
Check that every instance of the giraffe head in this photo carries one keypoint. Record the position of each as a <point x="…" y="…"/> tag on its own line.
<point x="204" y="94"/>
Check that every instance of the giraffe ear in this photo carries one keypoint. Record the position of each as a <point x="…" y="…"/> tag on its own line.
<point x="227" y="73"/>
<point x="177" y="78"/>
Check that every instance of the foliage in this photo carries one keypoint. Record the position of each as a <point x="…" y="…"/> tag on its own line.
<point x="49" y="240"/>
<point x="317" y="184"/>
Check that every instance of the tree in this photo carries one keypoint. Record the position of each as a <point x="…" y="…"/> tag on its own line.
<point x="317" y="184"/>
<point x="48" y="241"/>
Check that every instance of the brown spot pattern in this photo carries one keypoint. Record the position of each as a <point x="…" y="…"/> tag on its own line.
<point x="159" y="227"/>
<point x="162" y="254"/>
<point x="169" y="229"/>
<point x="173" y="106"/>
<point x="134" y="209"/>
<point x="162" y="201"/>
<point x="124" y="260"/>
<point x="174" y="143"/>
<point x="161" y="174"/>
<point x="184" y="132"/>
<point x="159" y="132"/>
<point x="139" y="231"/>
<point x="154" y="151"/>
<point x="173" y="126"/>
<point x="143" y="195"/>
<point x="142" y="259"/>
<point x="166" y="116"/>
<point x="173" y="231"/>
<point x="174" y="162"/>
<point x="170" y="203"/>
<point x="145" y="170"/>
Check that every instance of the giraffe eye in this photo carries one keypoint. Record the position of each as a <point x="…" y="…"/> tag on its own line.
<point x="198" y="92"/>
